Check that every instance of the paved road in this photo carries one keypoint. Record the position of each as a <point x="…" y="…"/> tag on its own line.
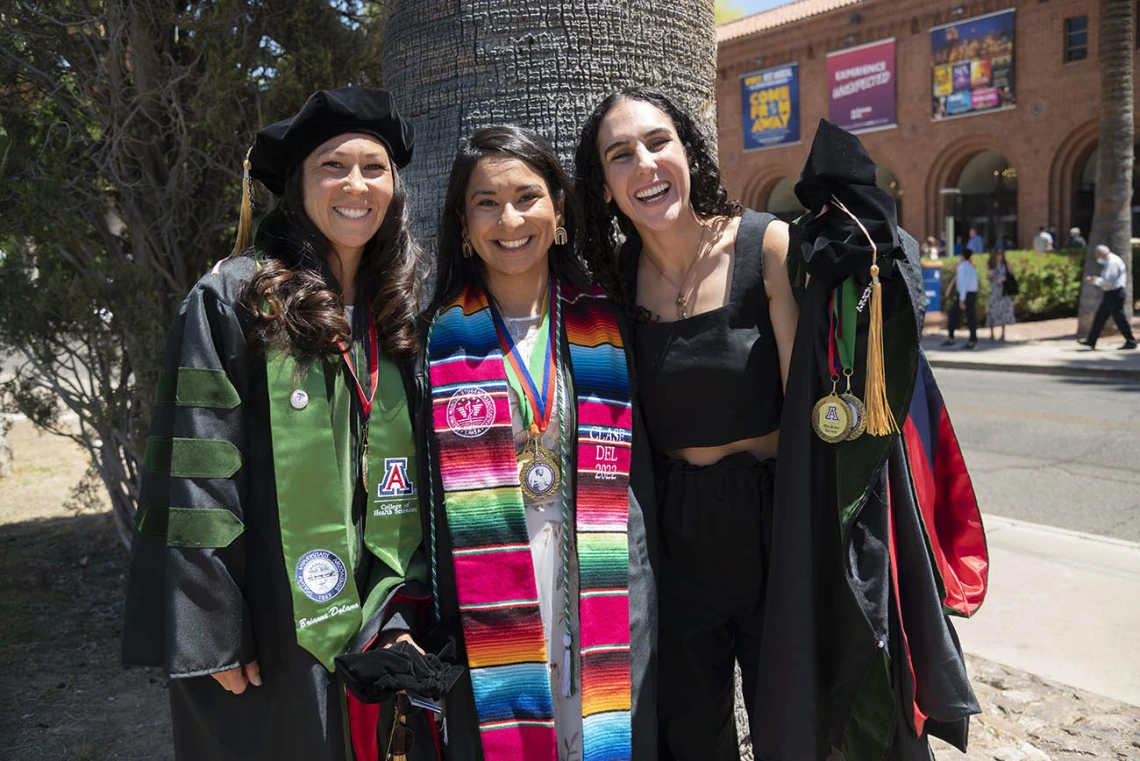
<point x="1048" y="449"/>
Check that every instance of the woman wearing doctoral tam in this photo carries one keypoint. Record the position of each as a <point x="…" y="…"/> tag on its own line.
<point x="279" y="525"/>
<point x="877" y="535"/>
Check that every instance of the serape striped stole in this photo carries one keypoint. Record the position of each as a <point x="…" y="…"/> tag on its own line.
<point x="498" y="597"/>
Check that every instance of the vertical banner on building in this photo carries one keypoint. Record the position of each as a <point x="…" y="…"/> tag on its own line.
<point x="770" y="105"/>
<point x="973" y="65"/>
<point x="861" y="83"/>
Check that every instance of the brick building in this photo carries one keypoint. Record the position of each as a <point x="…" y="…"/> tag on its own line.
<point x="1025" y="158"/>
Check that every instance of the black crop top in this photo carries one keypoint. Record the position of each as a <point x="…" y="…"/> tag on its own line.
<point x="714" y="378"/>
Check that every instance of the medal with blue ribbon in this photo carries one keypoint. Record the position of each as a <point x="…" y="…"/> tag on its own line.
<point x="539" y="470"/>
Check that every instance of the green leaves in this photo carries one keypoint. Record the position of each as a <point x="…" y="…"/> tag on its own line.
<point x="123" y="129"/>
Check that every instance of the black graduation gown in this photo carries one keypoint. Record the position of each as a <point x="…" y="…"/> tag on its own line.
<point x="462" y="720"/>
<point x="196" y="611"/>
<point x="834" y="663"/>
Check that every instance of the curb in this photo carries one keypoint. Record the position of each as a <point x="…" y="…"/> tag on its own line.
<point x="1079" y="371"/>
<point x="999" y="521"/>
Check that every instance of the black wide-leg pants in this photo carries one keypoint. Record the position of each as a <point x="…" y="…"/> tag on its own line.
<point x="715" y="531"/>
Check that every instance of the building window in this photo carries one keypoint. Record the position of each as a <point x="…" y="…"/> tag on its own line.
<point x="1076" y="38"/>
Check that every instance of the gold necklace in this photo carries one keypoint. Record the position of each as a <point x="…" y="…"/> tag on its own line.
<point x="683" y="288"/>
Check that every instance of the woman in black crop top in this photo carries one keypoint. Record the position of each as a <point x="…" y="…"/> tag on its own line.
<point x="715" y="321"/>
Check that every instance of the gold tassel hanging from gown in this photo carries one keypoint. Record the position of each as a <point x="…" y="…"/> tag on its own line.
<point x="880" y="419"/>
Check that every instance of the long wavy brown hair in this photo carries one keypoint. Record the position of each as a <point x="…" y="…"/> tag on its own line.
<point x="606" y="227"/>
<point x="297" y="303"/>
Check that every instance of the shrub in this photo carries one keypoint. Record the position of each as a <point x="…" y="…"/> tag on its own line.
<point x="1048" y="284"/>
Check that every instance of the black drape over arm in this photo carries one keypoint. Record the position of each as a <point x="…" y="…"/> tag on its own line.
<point x="834" y="663"/>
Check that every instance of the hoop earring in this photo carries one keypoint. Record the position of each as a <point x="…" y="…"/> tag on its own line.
<point x="560" y="237"/>
<point x="468" y="252"/>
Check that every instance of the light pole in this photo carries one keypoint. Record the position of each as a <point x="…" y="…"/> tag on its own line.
<point x="949" y="194"/>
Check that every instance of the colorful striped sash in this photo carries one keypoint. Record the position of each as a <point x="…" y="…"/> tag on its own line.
<point x="498" y="598"/>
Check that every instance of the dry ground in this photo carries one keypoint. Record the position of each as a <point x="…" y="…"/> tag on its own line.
<point x="63" y="694"/>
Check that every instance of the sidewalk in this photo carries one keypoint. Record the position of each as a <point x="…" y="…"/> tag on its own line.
<point x="1060" y="611"/>
<point x="1062" y="605"/>
<point x="1048" y="346"/>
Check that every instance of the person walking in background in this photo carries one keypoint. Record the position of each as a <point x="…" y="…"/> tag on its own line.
<point x="1042" y="241"/>
<point x="966" y="281"/>
<point x="930" y="248"/>
<point x="1075" y="239"/>
<point x="1112" y="279"/>
<point x="975" y="242"/>
<point x="999" y="308"/>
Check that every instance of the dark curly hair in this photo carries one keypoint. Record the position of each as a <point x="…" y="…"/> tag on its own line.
<point x="602" y="237"/>
<point x="295" y="298"/>
<point x="453" y="270"/>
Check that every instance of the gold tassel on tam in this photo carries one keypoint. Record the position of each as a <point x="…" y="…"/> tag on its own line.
<point x="880" y="419"/>
<point x="245" y="221"/>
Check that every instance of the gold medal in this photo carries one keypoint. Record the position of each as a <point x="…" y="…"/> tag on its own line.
<point x="539" y="474"/>
<point x="858" y="409"/>
<point x="858" y="415"/>
<point x="831" y="417"/>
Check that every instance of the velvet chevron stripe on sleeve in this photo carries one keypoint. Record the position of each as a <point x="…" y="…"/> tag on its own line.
<point x="494" y="574"/>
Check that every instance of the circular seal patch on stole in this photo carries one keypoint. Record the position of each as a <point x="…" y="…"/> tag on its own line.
<point x="470" y="412"/>
<point x="321" y="575"/>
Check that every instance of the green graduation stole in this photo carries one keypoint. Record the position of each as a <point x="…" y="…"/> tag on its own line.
<point x="316" y="477"/>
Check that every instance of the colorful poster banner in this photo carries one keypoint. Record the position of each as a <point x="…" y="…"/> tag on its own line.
<point x="973" y="65"/>
<point x="861" y="82"/>
<point x="770" y="107"/>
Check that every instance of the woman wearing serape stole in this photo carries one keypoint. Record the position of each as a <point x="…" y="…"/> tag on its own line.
<point x="540" y="549"/>
<point x="279" y="522"/>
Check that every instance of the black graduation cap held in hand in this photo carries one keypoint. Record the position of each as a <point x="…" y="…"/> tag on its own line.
<point x="840" y="174"/>
<point x="857" y="236"/>
<point x="375" y="675"/>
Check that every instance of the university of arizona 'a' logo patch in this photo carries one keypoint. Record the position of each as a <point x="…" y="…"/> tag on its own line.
<point x="832" y="412"/>
<point x="396" y="481"/>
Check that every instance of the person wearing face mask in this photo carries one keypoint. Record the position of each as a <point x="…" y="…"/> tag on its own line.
<point x="781" y="566"/>
<point x="279" y="523"/>
<point x="1112" y="281"/>
<point x="540" y="544"/>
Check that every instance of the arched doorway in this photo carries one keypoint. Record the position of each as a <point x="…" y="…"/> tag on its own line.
<point x="1084" y="196"/>
<point x="886" y="180"/>
<point x="782" y="200"/>
<point x="987" y="198"/>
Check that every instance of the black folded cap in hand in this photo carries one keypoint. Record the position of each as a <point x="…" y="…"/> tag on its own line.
<point x="375" y="675"/>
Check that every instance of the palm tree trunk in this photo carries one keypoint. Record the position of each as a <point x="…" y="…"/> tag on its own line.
<point x="1112" y="217"/>
<point x="458" y="65"/>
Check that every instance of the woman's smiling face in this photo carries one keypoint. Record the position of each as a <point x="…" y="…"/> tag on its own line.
<point x="348" y="185"/>
<point x="645" y="166"/>
<point x="510" y="217"/>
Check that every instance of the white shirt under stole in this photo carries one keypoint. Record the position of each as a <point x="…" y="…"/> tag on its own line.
<point x="544" y="528"/>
